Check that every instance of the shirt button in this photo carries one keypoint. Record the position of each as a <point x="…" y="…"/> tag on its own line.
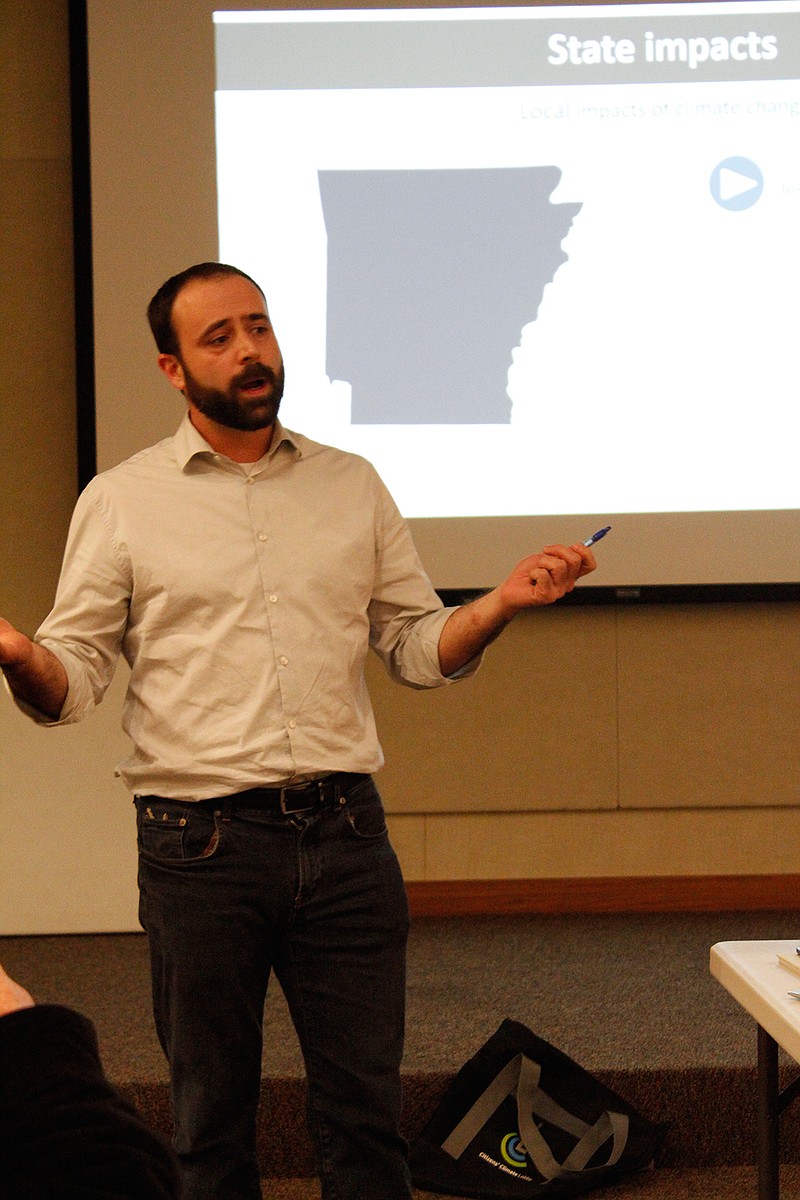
<point x="293" y="724"/>
<point x="250" y="479"/>
<point x="273" y="599"/>
<point x="262" y="537"/>
<point x="284" y="661"/>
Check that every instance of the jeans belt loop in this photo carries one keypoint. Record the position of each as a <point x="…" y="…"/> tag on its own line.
<point x="227" y="808"/>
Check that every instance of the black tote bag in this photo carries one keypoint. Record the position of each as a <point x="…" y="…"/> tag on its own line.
<point x="522" y="1119"/>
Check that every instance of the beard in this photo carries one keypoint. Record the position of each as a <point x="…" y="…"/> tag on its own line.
<point x="233" y="407"/>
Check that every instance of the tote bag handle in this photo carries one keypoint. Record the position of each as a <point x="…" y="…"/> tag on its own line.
<point x="521" y="1075"/>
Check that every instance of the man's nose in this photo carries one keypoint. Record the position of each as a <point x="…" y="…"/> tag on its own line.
<point x="246" y="346"/>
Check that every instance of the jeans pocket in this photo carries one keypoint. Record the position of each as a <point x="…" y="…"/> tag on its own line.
<point x="168" y="831"/>
<point x="364" y="811"/>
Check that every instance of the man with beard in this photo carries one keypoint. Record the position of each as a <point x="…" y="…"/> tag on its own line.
<point x="244" y="571"/>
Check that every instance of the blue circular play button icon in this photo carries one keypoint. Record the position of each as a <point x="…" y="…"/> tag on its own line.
<point x="736" y="183"/>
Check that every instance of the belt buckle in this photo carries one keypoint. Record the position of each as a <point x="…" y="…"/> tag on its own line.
<point x="288" y="812"/>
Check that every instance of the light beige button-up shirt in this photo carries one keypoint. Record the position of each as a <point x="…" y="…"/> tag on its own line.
<point x="244" y="601"/>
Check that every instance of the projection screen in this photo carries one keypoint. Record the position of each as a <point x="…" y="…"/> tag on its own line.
<point x="538" y="264"/>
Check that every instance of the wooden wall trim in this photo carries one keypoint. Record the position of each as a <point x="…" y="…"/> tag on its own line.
<point x="670" y="893"/>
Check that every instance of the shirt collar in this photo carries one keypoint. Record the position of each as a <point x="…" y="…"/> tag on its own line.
<point x="190" y="444"/>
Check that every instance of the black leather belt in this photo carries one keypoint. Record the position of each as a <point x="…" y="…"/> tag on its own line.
<point x="289" y="800"/>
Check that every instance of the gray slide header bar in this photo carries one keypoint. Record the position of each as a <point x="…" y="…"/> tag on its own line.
<point x="507" y="53"/>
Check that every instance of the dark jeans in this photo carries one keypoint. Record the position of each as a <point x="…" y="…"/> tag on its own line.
<point x="320" y="901"/>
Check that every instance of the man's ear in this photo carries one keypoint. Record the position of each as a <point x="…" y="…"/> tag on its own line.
<point x="173" y="370"/>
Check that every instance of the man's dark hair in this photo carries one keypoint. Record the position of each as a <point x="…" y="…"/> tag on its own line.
<point x="159" y="310"/>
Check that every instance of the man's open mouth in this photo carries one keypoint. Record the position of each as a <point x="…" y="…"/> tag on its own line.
<point x="254" y="379"/>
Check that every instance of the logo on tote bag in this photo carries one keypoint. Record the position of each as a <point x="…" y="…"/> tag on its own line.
<point x="513" y="1151"/>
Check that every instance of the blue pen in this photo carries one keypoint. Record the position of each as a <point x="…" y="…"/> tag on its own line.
<point x="601" y="533"/>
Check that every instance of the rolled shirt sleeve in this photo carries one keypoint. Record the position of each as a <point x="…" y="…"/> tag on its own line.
<point x="406" y="614"/>
<point x="86" y="626"/>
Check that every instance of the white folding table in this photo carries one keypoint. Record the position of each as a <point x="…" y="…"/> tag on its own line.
<point x="752" y="974"/>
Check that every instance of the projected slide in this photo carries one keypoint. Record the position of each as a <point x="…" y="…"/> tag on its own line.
<point x="412" y="257"/>
<point x="528" y="261"/>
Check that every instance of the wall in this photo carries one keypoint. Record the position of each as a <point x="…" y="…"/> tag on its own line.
<point x="598" y="742"/>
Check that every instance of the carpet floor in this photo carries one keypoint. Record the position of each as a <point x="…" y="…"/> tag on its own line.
<point x="721" y="1183"/>
<point x="629" y="997"/>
